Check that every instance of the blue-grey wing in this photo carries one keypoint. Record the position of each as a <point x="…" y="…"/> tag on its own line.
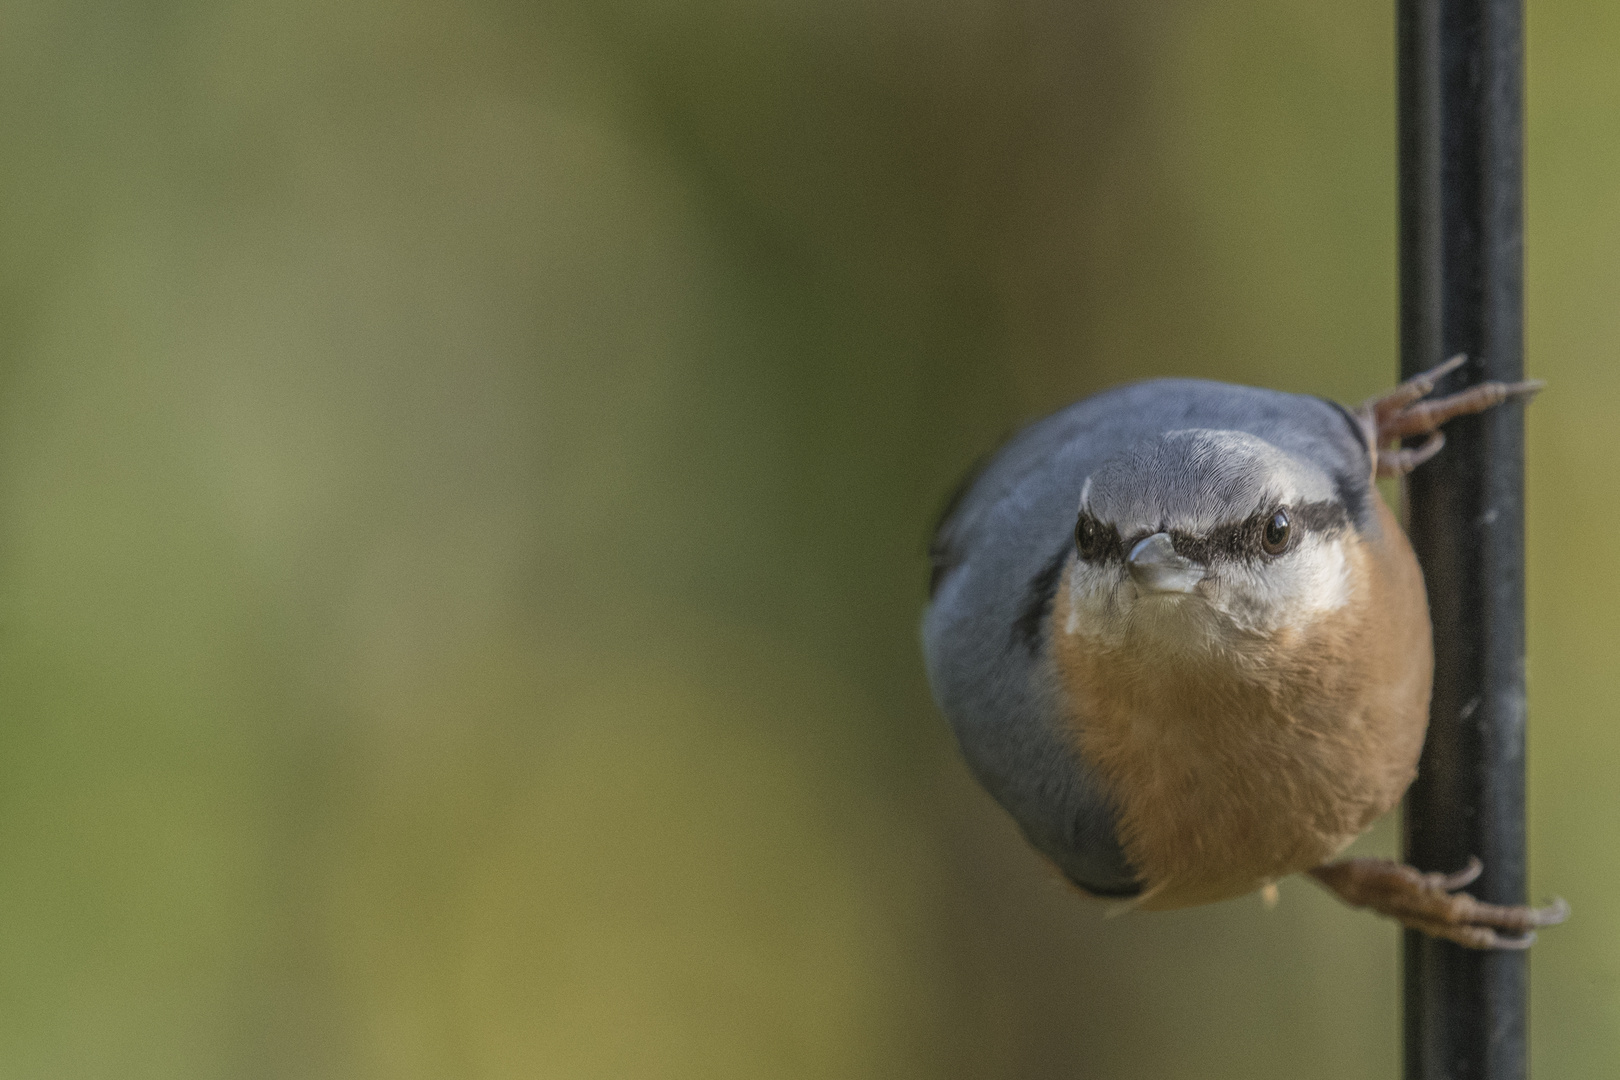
<point x="998" y="556"/>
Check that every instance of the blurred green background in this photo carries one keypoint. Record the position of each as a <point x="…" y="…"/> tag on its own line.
<point x="465" y="475"/>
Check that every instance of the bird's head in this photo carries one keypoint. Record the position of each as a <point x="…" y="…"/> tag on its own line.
<point x="1208" y="541"/>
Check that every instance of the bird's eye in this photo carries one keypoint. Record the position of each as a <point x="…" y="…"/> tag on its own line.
<point x="1088" y="537"/>
<point x="1275" y="538"/>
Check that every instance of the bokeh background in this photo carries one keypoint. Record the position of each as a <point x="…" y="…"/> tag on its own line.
<point x="464" y="477"/>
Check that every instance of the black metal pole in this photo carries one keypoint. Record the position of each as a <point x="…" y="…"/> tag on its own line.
<point x="1461" y="222"/>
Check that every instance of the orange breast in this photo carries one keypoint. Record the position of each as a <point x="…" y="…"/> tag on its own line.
<point x="1232" y="771"/>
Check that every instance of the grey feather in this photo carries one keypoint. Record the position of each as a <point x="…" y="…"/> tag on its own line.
<point x="998" y="556"/>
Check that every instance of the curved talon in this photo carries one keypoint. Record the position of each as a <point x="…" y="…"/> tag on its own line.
<point x="1553" y="914"/>
<point x="1465" y="876"/>
<point x="1439" y="371"/>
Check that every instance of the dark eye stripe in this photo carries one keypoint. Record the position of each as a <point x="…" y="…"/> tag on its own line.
<point x="1320" y="517"/>
<point x="1233" y="540"/>
<point x="1244" y="539"/>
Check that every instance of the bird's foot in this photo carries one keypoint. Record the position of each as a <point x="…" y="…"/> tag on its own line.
<point x="1400" y="414"/>
<point x="1432" y="904"/>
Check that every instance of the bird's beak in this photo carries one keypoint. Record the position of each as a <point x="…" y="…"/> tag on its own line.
<point x="1156" y="568"/>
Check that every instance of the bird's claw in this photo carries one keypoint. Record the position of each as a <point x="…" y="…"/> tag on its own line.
<point x="1464" y="877"/>
<point x="1431" y="903"/>
<point x="1402" y="413"/>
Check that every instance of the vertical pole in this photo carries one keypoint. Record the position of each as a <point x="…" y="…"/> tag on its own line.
<point x="1461" y="224"/>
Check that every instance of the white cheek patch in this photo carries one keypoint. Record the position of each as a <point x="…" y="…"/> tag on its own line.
<point x="1098" y="602"/>
<point x="1330" y="577"/>
<point x="1291" y="592"/>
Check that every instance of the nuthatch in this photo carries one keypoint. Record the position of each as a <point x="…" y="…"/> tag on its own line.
<point x="1182" y="639"/>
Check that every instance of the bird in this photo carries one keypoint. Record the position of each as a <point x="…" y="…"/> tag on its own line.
<point x="1183" y="640"/>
